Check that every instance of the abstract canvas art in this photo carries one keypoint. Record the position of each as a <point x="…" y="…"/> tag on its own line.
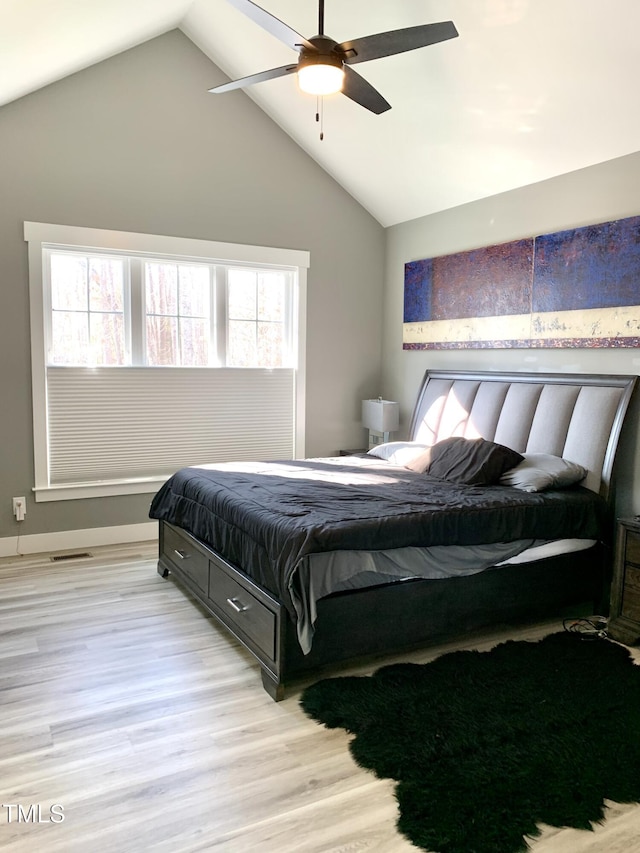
<point x="575" y="288"/>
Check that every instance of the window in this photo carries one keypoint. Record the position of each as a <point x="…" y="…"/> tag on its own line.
<point x="95" y="300"/>
<point x="151" y="353"/>
<point x="177" y="314"/>
<point x="256" y="306"/>
<point x="87" y="309"/>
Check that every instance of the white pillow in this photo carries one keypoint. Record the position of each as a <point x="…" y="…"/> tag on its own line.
<point x="398" y="452"/>
<point x="540" y="471"/>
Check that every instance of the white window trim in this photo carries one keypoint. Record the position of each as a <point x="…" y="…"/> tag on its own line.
<point x="39" y="235"/>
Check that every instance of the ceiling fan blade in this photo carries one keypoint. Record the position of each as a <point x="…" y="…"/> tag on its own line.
<point x="396" y="41"/>
<point x="254" y="78"/>
<point x="363" y="93"/>
<point x="271" y="24"/>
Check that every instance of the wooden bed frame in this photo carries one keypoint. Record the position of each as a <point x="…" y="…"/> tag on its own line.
<point x="571" y="415"/>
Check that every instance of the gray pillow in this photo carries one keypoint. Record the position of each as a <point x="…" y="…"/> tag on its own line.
<point x="540" y="471"/>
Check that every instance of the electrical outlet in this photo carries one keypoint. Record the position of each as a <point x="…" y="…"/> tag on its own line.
<point x="19" y="508"/>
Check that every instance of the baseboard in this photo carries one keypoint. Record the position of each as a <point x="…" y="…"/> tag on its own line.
<point x="68" y="540"/>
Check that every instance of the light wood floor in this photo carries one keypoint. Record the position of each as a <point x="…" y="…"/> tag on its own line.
<point x="122" y="702"/>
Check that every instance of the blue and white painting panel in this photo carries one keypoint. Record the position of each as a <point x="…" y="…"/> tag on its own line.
<point x="575" y="288"/>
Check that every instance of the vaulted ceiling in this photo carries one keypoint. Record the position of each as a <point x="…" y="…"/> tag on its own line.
<point x="530" y="89"/>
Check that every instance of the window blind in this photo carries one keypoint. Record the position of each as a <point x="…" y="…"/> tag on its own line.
<point x="116" y="423"/>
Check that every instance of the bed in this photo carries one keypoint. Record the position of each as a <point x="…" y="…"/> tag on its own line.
<point x="312" y="562"/>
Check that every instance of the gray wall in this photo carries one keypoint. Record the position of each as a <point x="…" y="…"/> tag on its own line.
<point x="137" y="144"/>
<point x="601" y="193"/>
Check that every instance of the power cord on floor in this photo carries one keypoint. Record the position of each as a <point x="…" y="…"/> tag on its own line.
<point x="588" y="628"/>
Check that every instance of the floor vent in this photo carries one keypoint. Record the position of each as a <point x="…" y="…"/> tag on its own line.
<point x="58" y="557"/>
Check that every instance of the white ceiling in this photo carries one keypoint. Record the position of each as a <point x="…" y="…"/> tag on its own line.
<point x="530" y="89"/>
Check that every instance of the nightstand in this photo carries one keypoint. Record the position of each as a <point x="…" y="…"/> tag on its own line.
<point x="355" y="452"/>
<point x="624" y="619"/>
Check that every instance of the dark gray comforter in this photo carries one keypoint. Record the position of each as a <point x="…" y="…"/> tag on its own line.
<point x="266" y="517"/>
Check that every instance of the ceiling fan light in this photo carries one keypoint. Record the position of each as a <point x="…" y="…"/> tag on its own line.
<point x="319" y="78"/>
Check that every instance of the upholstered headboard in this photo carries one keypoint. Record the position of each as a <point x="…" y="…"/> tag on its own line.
<point x="578" y="417"/>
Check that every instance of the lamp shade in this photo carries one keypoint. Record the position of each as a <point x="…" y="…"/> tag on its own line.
<point x="320" y="79"/>
<point x="380" y="415"/>
<point x="320" y="73"/>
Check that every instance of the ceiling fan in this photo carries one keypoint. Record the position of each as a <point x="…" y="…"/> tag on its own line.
<point x="324" y="66"/>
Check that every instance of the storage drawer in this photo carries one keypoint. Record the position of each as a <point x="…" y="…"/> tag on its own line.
<point x="632" y="578"/>
<point x="633" y="548"/>
<point x="242" y="611"/>
<point x="186" y="557"/>
<point x="631" y="594"/>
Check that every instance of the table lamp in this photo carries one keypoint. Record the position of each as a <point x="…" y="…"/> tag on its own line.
<point x="380" y="417"/>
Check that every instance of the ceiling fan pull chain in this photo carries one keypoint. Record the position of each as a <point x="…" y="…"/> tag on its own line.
<point x="320" y="114"/>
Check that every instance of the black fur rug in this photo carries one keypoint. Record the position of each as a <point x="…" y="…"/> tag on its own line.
<point x="487" y="745"/>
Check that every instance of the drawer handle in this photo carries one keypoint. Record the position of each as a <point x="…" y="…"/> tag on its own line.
<point x="236" y="605"/>
<point x="182" y="554"/>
